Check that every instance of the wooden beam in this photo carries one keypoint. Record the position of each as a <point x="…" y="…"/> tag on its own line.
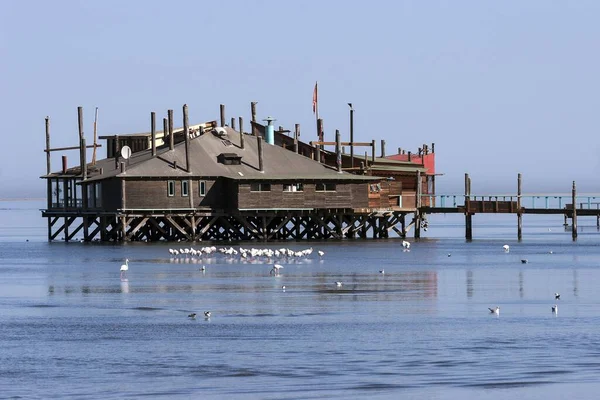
<point x="357" y="144"/>
<point x="91" y="146"/>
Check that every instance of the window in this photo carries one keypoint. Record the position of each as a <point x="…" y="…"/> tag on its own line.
<point x="293" y="187"/>
<point x="171" y="188"/>
<point x="325" y="187"/>
<point x="202" y="188"/>
<point x="185" y="188"/>
<point x="260" y="187"/>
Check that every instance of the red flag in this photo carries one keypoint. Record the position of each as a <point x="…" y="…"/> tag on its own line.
<point x="315" y="98"/>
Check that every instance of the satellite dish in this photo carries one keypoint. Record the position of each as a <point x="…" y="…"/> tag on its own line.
<point x="126" y="152"/>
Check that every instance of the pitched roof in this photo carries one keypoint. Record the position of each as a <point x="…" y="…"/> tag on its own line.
<point x="278" y="163"/>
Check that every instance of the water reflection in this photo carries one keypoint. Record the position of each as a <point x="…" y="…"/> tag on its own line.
<point x="124" y="285"/>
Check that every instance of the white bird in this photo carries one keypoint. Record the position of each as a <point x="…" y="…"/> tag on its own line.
<point x="283" y="288"/>
<point x="555" y="309"/>
<point x="276" y="268"/>
<point x="557" y="296"/>
<point x="125" y="268"/>
<point x="406" y="244"/>
<point x="338" y="284"/>
<point x="321" y="253"/>
<point x="495" y="310"/>
<point x="506" y="247"/>
<point x="203" y="268"/>
<point x="207" y="314"/>
<point x="382" y="271"/>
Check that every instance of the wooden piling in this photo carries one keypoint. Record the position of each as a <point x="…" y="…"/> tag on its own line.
<point x="253" y="111"/>
<point x="574" y="217"/>
<point x="260" y="153"/>
<point x="241" y="132"/>
<point x="351" y="135"/>
<point x="153" y="132"/>
<point x="338" y="150"/>
<point x="320" y="135"/>
<point x="186" y="134"/>
<point x="165" y="129"/>
<point x="382" y="148"/>
<point x="171" y="136"/>
<point x="233" y="123"/>
<point x="83" y="161"/>
<point x="373" y="151"/>
<point x="296" y="136"/>
<point x="222" y="107"/>
<point x="468" y="216"/>
<point x="80" y="128"/>
<point x="418" y="206"/>
<point x="519" y="213"/>
<point x="318" y="153"/>
<point x="48" y="166"/>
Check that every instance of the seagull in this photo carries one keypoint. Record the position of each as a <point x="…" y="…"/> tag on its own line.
<point x="203" y="268"/>
<point x="276" y="268"/>
<point x="283" y="288"/>
<point x="406" y="244"/>
<point x="506" y="248"/>
<point x="557" y="296"/>
<point x="495" y="310"/>
<point x="382" y="271"/>
<point x="206" y="314"/>
<point x="338" y="284"/>
<point x="192" y="315"/>
<point x="449" y="255"/>
<point x="125" y="268"/>
<point x="555" y="309"/>
<point x="524" y="261"/>
<point x="321" y="253"/>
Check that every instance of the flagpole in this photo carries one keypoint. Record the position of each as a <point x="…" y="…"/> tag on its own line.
<point x="317" y="108"/>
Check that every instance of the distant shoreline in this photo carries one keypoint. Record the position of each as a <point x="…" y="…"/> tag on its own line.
<point x="24" y="199"/>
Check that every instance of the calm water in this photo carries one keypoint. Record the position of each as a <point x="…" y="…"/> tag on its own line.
<point x="71" y="328"/>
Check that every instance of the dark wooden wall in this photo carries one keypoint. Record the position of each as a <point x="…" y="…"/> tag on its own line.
<point x="346" y="195"/>
<point x="111" y="194"/>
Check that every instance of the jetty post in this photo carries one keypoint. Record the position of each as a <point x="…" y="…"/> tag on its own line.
<point x="574" y="217"/>
<point x="468" y="215"/>
<point x="519" y="213"/>
<point x="418" y="207"/>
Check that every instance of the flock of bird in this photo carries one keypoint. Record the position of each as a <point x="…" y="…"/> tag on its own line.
<point x="244" y="253"/>
<point x="283" y="253"/>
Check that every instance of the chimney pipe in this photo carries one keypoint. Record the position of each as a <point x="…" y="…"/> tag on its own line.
<point x="382" y="148"/>
<point x="260" y="153"/>
<point x="222" y="114"/>
<point x="399" y="150"/>
<point x="171" y="136"/>
<point x="153" y="131"/>
<point x="296" y="136"/>
<point x="338" y="150"/>
<point x="409" y="156"/>
<point x="64" y="164"/>
<point x="270" y="130"/>
<point x="241" y="132"/>
<point x="233" y="123"/>
<point x="433" y="147"/>
<point x="186" y="134"/>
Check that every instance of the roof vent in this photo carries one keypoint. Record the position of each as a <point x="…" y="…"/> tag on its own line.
<point x="229" y="159"/>
<point x="220" y="131"/>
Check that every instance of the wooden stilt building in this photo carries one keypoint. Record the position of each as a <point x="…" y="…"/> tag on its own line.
<point x="209" y="182"/>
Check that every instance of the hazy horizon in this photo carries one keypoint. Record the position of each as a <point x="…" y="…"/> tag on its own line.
<point x="500" y="88"/>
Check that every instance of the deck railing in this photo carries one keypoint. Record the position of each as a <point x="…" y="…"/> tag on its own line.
<point x="535" y="201"/>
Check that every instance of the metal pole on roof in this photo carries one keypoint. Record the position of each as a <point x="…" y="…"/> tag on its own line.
<point x="351" y="135"/>
<point x="186" y="134"/>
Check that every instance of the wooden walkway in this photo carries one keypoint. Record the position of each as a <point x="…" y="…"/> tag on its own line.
<point x="519" y="204"/>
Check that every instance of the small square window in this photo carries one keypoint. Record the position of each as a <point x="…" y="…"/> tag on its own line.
<point x="260" y="187"/>
<point x="171" y="188"/>
<point x="185" y="188"/>
<point x="202" y="188"/>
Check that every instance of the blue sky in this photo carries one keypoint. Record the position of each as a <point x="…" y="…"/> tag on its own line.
<point x="500" y="87"/>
